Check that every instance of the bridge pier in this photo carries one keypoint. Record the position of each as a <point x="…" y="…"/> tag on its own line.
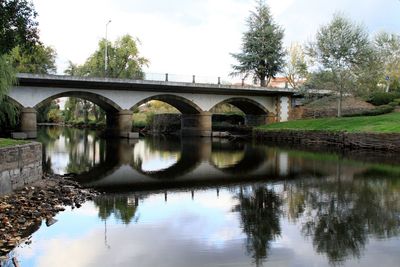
<point x="120" y="124"/>
<point x="196" y="124"/>
<point x="28" y="122"/>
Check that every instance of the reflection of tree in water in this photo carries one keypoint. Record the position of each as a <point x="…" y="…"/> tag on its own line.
<point x="84" y="147"/>
<point x="336" y="230"/>
<point x="340" y="214"/>
<point x="122" y="207"/>
<point x="48" y="136"/>
<point x="260" y="210"/>
<point x="46" y="163"/>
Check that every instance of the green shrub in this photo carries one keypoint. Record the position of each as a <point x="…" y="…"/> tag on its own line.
<point x="78" y="123"/>
<point x="393" y="104"/>
<point x="138" y="125"/>
<point x="382" y="98"/>
<point x="54" y="116"/>
<point x="395" y="85"/>
<point x="379" y="110"/>
<point x="397" y="100"/>
<point x="150" y="118"/>
<point x="101" y="124"/>
<point x="383" y="109"/>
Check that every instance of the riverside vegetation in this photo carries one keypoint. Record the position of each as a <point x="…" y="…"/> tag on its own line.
<point x="387" y="123"/>
<point x="4" y="142"/>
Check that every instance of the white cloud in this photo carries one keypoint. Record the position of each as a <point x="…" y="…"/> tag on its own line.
<point x="190" y="37"/>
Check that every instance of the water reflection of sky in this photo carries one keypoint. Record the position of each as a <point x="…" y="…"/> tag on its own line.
<point x="202" y="231"/>
<point x="153" y="160"/>
<point x="59" y="155"/>
<point x="208" y="229"/>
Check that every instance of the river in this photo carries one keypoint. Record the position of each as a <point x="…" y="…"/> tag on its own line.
<point x="212" y="202"/>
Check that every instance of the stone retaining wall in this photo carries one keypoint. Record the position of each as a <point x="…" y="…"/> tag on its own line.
<point x="379" y="141"/>
<point x="19" y="166"/>
<point x="165" y="123"/>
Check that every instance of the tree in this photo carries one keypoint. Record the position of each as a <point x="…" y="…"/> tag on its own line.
<point x="17" y="27"/>
<point x="44" y="111"/>
<point x="262" y="53"/>
<point x="369" y="76"/>
<point x="8" y="111"/>
<point x="7" y="77"/>
<point x="343" y="49"/>
<point x="69" y="109"/>
<point x="54" y="115"/>
<point x="296" y="66"/>
<point x="388" y="49"/>
<point x="72" y="69"/>
<point x="39" y="59"/>
<point x="17" y="24"/>
<point x="124" y="61"/>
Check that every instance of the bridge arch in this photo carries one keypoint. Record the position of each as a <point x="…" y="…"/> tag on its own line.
<point x="255" y="113"/>
<point x="247" y="105"/>
<point x="190" y="158"/>
<point x="184" y="105"/>
<point x="251" y="160"/>
<point x="105" y="103"/>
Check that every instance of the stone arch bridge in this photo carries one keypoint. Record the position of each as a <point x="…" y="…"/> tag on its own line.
<point x="119" y="97"/>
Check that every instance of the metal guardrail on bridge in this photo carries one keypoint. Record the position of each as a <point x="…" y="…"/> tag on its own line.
<point x="168" y="77"/>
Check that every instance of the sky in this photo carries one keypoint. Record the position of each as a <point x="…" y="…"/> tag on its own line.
<point x="187" y="37"/>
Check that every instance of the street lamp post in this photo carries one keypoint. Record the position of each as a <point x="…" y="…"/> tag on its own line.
<point x="105" y="52"/>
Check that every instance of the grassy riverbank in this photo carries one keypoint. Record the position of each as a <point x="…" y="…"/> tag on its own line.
<point x="388" y="123"/>
<point x="11" y="142"/>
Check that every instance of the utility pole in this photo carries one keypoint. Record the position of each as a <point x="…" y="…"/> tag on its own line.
<point x="105" y="52"/>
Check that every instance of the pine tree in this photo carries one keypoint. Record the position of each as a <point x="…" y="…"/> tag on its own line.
<point x="262" y="53"/>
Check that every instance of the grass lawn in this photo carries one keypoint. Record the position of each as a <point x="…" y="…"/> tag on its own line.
<point x="388" y="123"/>
<point x="11" y="142"/>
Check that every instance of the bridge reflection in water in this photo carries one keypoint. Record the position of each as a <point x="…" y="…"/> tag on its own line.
<point x="162" y="163"/>
<point x="156" y="163"/>
<point x="337" y="202"/>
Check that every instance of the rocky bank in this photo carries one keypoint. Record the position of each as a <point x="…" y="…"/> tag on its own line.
<point x="22" y="212"/>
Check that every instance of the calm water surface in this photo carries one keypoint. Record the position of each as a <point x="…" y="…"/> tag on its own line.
<point x="203" y="202"/>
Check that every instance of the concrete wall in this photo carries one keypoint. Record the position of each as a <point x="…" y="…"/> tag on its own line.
<point x="284" y="109"/>
<point x="20" y="166"/>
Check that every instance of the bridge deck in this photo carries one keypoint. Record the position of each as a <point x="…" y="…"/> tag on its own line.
<point x="57" y="81"/>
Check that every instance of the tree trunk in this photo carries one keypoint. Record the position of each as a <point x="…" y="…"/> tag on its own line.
<point x="262" y="82"/>
<point x="96" y="113"/>
<point x="85" y="112"/>
<point x="339" y="110"/>
<point x="76" y="109"/>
